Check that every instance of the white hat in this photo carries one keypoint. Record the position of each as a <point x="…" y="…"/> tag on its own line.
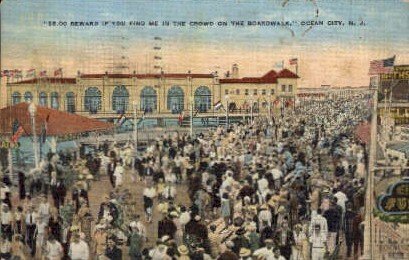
<point x="133" y="224"/>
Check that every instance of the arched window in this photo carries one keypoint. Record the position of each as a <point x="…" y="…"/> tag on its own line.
<point x="148" y="99"/>
<point x="43" y="99"/>
<point x="203" y="99"/>
<point x="28" y="97"/>
<point x="16" y="98"/>
<point x="175" y="99"/>
<point x="120" y="99"/>
<point x="55" y="100"/>
<point x="70" y="102"/>
<point x="92" y="100"/>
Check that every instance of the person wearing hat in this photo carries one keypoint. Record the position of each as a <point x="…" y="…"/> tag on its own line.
<point x="99" y="239"/>
<point x="215" y="240"/>
<point x="112" y="251"/>
<point x="166" y="227"/>
<point x="53" y="249"/>
<point x="6" y="221"/>
<point x="297" y="248"/>
<point x="254" y="237"/>
<point x="245" y="254"/>
<point x="240" y="241"/>
<point x="31" y="229"/>
<point x="183" y="252"/>
<point x="135" y="242"/>
<point x="228" y="254"/>
<point x="79" y="250"/>
<point x="266" y="251"/>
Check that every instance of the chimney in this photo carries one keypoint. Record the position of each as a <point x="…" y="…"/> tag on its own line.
<point x="235" y="71"/>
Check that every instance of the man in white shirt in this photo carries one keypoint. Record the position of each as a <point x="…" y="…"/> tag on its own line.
<point x="78" y="249"/>
<point x="318" y="236"/>
<point x="53" y="249"/>
<point x="119" y="171"/>
<point x="169" y="192"/>
<point x="44" y="210"/>
<point x="277" y="175"/>
<point x="31" y="229"/>
<point x="266" y="252"/>
<point x="6" y="221"/>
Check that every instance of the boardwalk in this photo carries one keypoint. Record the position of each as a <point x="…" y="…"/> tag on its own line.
<point x="103" y="187"/>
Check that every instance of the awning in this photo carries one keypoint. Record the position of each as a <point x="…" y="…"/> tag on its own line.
<point x="56" y="122"/>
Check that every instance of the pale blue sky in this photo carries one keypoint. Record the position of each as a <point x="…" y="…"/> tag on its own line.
<point x="26" y="42"/>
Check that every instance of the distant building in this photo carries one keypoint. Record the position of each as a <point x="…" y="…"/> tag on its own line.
<point x="107" y="95"/>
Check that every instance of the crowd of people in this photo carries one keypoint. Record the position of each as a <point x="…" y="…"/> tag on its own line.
<point x="286" y="187"/>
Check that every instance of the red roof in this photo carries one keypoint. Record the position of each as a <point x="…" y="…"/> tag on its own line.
<point x="285" y="73"/>
<point x="269" y="78"/>
<point x="47" y="79"/>
<point x="148" y="75"/>
<point x="59" y="122"/>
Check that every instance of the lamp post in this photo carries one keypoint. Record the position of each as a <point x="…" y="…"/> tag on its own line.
<point x="135" y="127"/>
<point x="191" y="115"/>
<point x="32" y="109"/>
<point x="251" y="108"/>
<point x="227" y="110"/>
<point x="269" y="107"/>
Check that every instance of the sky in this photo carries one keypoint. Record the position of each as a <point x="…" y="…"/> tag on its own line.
<point x="327" y="55"/>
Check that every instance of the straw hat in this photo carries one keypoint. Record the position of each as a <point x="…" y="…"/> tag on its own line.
<point x="244" y="252"/>
<point x="183" y="250"/>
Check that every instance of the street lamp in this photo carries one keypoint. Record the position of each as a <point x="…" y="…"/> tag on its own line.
<point x="227" y="110"/>
<point x="32" y="109"/>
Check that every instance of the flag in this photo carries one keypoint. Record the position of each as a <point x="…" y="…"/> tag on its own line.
<point x="5" y="73"/>
<point x="31" y="73"/>
<point x="293" y="61"/>
<point x="218" y="105"/>
<point x="18" y="74"/>
<point x="43" y="73"/>
<point x="121" y="120"/>
<point x="58" y="72"/>
<point x="279" y="65"/>
<point x="381" y="66"/>
<point x="17" y="134"/>
<point x="18" y="130"/>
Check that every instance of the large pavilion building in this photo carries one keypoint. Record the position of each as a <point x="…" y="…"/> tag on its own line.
<point x="107" y="95"/>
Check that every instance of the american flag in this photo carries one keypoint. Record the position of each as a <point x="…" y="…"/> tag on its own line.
<point x="381" y="66"/>
<point x="293" y="61"/>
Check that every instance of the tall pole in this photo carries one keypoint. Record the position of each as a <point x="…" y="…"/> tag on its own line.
<point x="251" y="109"/>
<point x="10" y="160"/>
<point x="269" y="108"/>
<point x="368" y="234"/>
<point x="32" y="110"/>
<point x="227" y="111"/>
<point x="191" y="116"/>
<point x="191" y="105"/>
<point x="135" y="127"/>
